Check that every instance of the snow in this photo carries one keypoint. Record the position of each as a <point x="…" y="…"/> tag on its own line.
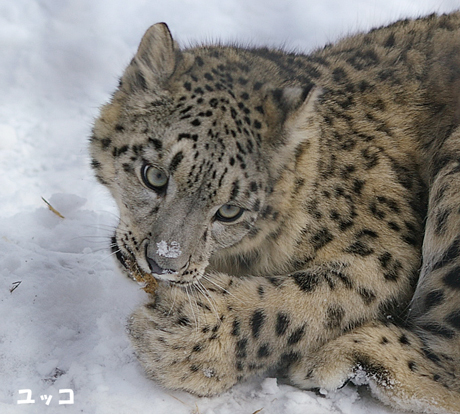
<point x="63" y="303"/>
<point x="172" y="250"/>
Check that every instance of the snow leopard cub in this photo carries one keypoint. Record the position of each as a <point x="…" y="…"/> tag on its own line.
<point x="298" y="211"/>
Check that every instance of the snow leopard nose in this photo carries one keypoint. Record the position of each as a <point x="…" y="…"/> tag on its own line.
<point x="156" y="269"/>
<point x="166" y="258"/>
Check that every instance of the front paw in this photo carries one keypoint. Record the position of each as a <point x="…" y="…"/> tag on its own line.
<point x="183" y="340"/>
<point x="329" y="368"/>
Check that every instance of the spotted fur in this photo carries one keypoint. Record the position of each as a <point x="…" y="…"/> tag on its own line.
<point x="310" y="218"/>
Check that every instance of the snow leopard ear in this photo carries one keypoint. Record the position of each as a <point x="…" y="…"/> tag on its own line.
<point x="296" y="127"/>
<point x="281" y="106"/>
<point x="154" y="62"/>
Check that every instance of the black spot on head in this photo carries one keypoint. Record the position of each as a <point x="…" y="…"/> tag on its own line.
<point x="184" y="111"/>
<point x="157" y="144"/>
<point x="128" y="168"/>
<point x="363" y="59"/>
<point x="95" y="164"/>
<point x="196" y="122"/>
<point x="235" y="190"/>
<point x="105" y="143"/>
<point x="120" y="151"/>
<point x="183" y="135"/>
<point x="339" y="75"/>
<point x="390" y="41"/>
<point x="412" y="366"/>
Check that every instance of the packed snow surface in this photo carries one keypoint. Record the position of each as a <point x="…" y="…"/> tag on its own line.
<point x="63" y="346"/>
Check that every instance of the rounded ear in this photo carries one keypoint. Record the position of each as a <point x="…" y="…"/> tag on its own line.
<point x="280" y="104"/>
<point x="295" y="123"/>
<point x="154" y="62"/>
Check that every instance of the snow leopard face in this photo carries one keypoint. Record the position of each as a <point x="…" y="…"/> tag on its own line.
<point x="190" y="159"/>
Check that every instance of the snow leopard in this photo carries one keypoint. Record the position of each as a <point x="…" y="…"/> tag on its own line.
<point x="299" y="212"/>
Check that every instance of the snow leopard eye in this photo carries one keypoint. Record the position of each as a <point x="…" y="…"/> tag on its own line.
<point x="154" y="178"/>
<point x="229" y="213"/>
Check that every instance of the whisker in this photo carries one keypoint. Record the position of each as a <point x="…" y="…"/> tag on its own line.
<point x="221" y="288"/>
<point x="208" y="297"/>
<point x="191" y="307"/>
<point x="174" y="302"/>
<point x="103" y="259"/>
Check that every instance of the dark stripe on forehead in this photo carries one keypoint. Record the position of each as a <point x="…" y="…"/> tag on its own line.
<point x="176" y="161"/>
<point x="235" y="190"/>
<point x="157" y="144"/>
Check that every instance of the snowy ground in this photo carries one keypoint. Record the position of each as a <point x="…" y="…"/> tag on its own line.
<point x="62" y="302"/>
